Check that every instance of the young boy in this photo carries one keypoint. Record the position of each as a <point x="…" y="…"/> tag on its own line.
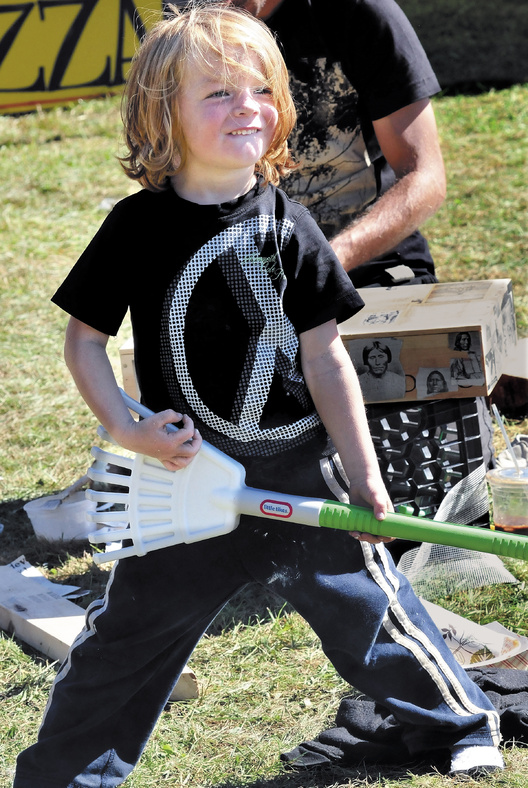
<point x="234" y="297"/>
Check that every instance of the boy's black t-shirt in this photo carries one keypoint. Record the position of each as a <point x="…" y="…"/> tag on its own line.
<point x="218" y="295"/>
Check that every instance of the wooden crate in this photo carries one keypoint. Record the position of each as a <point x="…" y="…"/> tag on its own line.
<point x="128" y="369"/>
<point x="425" y="342"/>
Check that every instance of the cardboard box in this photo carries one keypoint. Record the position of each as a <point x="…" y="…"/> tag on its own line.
<point x="425" y="342"/>
<point x="444" y="340"/>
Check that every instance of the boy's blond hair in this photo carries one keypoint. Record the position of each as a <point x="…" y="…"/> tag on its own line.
<point x="199" y="36"/>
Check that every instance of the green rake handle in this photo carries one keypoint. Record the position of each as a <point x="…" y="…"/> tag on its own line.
<point x="404" y="526"/>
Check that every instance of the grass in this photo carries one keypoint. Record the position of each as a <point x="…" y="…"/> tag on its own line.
<point x="480" y="231"/>
<point x="265" y="684"/>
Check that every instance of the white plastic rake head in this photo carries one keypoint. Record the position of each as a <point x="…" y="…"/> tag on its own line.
<point x="163" y="507"/>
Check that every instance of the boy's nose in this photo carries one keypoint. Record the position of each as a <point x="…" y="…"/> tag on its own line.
<point x="246" y="103"/>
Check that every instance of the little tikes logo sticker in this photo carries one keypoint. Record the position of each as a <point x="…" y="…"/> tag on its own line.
<point x="276" y="508"/>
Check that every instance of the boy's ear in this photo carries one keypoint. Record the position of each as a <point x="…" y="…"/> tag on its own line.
<point x="177" y="158"/>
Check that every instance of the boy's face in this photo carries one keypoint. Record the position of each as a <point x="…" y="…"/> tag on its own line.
<point x="226" y="127"/>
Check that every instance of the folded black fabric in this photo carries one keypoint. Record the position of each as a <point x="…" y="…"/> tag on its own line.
<point x="504" y="681"/>
<point x="367" y="731"/>
<point x="507" y="689"/>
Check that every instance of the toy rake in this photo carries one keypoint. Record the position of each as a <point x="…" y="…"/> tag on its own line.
<point x="206" y="499"/>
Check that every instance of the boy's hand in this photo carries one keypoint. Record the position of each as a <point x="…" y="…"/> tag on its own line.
<point x="374" y="496"/>
<point x="87" y="360"/>
<point x="335" y="390"/>
<point x="174" y="450"/>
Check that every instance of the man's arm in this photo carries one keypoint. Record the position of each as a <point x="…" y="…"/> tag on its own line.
<point x="409" y="141"/>
<point x="335" y="390"/>
<point x="88" y="362"/>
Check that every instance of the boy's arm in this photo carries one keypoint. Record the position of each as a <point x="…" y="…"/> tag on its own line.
<point x="335" y="390"/>
<point x="88" y="362"/>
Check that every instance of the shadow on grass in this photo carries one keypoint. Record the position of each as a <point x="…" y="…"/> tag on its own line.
<point x="252" y="605"/>
<point x="70" y="560"/>
<point x="324" y="777"/>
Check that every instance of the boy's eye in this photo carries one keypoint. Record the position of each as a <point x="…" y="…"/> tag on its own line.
<point x="262" y="90"/>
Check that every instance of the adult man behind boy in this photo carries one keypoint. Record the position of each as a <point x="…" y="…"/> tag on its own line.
<point x="371" y="166"/>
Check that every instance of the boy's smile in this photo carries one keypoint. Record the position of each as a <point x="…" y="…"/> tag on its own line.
<point x="227" y="125"/>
